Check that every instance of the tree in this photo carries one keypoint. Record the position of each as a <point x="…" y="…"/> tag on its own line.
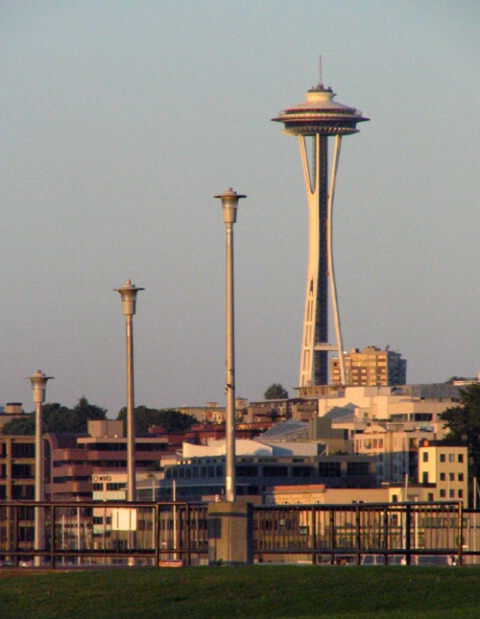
<point x="82" y="413"/>
<point x="58" y="419"/>
<point x="21" y="426"/>
<point x="463" y="423"/>
<point x="145" y="418"/>
<point x="275" y="392"/>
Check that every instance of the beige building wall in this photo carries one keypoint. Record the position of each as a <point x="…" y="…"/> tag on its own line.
<point x="106" y="428"/>
<point x="319" y="494"/>
<point x="446" y="467"/>
<point x="395" y="450"/>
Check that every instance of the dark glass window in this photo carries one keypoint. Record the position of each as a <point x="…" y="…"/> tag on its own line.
<point x="357" y="468"/>
<point x="329" y="469"/>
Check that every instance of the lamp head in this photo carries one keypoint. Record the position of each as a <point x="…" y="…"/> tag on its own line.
<point x="128" y="294"/>
<point x="39" y="386"/>
<point x="230" y="204"/>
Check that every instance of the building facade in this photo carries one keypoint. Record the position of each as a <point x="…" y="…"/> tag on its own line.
<point x="446" y="468"/>
<point x="370" y="367"/>
<point x="73" y="460"/>
<point x="17" y="468"/>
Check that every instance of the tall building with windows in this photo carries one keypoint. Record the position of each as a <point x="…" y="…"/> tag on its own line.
<point x="370" y="367"/>
<point x="17" y="468"/>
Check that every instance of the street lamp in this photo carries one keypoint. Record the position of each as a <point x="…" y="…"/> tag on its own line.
<point x="39" y="387"/>
<point x="230" y="204"/>
<point x="128" y="294"/>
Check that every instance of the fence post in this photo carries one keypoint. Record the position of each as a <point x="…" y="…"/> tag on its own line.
<point x="16" y="528"/>
<point x="314" y="535"/>
<point x="186" y="535"/>
<point x="332" y="535"/>
<point x="385" y="535"/>
<point x="156" y="542"/>
<point x="358" y="542"/>
<point x="460" y="534"/>
<point x="408" y="524"/>
<point x="52" y="536"/>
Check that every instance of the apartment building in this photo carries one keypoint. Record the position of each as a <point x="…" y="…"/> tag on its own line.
<point x="446" y="468"/>
<point x="394" y="448"/>
<point x="17" y="467"/>
<point x="370" y="367"/>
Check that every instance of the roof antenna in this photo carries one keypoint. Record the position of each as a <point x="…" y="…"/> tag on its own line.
<point x="320" y="82"/>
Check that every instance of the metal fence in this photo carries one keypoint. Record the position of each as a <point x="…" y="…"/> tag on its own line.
<point x="146" y="533"/>
<point x="401" y="533"/>
<point x="101" y="533"/>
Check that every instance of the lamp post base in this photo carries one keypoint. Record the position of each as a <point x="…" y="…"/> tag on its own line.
<point x="230" y="533"/>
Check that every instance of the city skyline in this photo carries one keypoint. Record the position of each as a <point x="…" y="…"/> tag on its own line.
<point x="120" y="124"/>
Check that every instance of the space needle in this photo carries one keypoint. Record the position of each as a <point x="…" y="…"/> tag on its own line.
<point x="320" y="117"/>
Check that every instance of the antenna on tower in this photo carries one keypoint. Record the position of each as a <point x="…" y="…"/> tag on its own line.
<point x="320" y="81"/>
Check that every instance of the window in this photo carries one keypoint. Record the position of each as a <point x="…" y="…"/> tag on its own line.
<point x="442" y="476"/>
<point x="460" y="477"/>
<point x="425" y="477"/>
<point x="23" y="450"/>
<point x="460" y="458"/>
<point x="302" y="471"/>
<point x="275" y="471"/>
<point x="357" y="468"/>
<point x="442" y="457"/>
<point x="22" y="471"/>
<point x="451" y="493"/>
<point x="425" y="456"/>
<point x="451" y="457"/>
<point x="442" y="494"/>
<point x="246" y="470"/>
<point x="430" y="496"/>
<point x="451" y="476"/>
<point x="116" y="486"/>
<point x="460" y="494"/>
<point x="329" y="469"/>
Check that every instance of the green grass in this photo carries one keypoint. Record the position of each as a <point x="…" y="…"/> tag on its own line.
<point x="247" y="592"/>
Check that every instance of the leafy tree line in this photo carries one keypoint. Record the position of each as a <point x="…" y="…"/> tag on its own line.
<point x="59" y="419"/>
<point x="145" y="418"/>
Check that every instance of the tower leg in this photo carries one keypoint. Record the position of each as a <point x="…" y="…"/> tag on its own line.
<point x="320" y="272"/>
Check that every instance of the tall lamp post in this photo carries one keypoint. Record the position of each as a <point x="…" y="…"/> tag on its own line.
<point x="39" y="387"/>
<point x="230" y="204"/>
<point x="128" y="294"/>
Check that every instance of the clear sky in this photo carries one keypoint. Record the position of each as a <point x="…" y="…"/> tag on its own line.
<point x="122" y="119"/>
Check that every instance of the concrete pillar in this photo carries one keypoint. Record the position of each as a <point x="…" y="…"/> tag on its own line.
<point x="230" y="533"/>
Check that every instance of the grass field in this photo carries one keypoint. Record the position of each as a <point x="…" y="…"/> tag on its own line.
<point x="250" y="592"/>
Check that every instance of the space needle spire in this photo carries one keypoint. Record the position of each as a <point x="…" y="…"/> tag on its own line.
<point x="320" y="117"/>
